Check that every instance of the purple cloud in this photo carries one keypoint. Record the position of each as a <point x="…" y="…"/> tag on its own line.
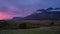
<point x="24" y="8"/>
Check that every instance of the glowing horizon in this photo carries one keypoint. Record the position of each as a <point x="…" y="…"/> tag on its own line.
<point x="23" y="8"/>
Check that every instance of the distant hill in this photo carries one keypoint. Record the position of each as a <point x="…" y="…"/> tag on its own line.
<point x="18" y="18"/>
<point x="44" y="16"/>
<point x="41" y="15"/>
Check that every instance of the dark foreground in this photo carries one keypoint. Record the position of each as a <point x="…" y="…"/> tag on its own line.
<point x="30" y="27"/>
<point x="41" y="30"/>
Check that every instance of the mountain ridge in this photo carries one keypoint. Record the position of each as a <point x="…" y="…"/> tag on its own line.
<point x="41" y="15"/>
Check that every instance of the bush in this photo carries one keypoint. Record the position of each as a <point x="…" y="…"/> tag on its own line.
<point x="22" y="26"/>
<point x="28" y="25"/>
<point x="3" y="24"/>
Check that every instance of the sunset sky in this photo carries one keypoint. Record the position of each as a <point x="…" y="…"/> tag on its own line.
<point x="23" y="8"/>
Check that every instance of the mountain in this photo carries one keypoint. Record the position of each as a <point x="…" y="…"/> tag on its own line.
<point x="17" y="18"/>
<point x="45" y="15"/>
<point x="41" y="15"/>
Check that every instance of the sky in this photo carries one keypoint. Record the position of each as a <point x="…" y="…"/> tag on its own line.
<point x="23" y="8"/>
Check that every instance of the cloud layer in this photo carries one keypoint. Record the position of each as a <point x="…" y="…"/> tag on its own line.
<point x="22" y="8"/>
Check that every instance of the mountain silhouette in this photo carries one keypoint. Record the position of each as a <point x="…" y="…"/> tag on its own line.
<point x="18" y="18"/>
<point x="42" y="15"/>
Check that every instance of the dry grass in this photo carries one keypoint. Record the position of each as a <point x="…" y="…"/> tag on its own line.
<point x="30" y="23"/>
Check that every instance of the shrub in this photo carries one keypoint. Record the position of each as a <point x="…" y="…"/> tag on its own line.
<point x="22" y="26"/>
<point x="3" y="24"/>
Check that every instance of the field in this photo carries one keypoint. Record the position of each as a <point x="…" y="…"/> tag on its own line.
<point x="26" y="31"/>
<point x="42" y="30"/>
<point x="41" y="27"/>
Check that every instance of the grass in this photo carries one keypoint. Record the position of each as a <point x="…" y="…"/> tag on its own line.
<point x="43" y="30"/>
<point x="26" y="31"/>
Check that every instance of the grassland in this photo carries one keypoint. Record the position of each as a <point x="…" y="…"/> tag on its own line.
<point x="41" y="30"/>
<point x="26" y="31"/>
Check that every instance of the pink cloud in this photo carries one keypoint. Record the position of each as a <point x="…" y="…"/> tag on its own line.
<point x="4" y="16"/>
<point x="10" y="14"/>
